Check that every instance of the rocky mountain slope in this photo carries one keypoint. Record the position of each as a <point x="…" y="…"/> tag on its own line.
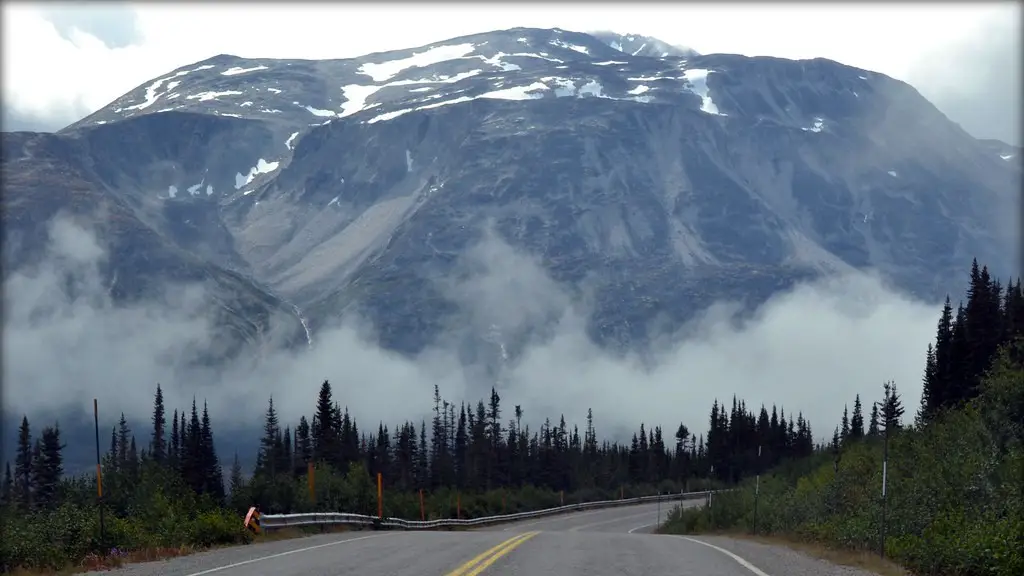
<point x="659" y="180"/>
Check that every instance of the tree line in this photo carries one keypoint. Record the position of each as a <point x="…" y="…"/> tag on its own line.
<point x="464" y="448"/>
<point x="955" y="482"/>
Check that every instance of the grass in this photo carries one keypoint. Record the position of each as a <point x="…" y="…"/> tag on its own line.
<point x="95" y="562"/>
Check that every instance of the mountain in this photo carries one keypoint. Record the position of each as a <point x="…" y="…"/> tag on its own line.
<point x="637" y="45"/>
<point x="656" y="178"/>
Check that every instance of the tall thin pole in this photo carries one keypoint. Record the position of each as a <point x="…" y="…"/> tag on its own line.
<point x="885" y="477"/>
<point x="380" y="496"/>
<point x="659" y="509"/>
<point x="757" y="487"/>
<point x="99" y="474"/>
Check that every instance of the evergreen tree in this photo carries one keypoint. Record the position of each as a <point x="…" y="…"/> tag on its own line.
<point x="325" y="429"/>
<point x="892" y="408"/>
<point x="873" y="424"/>
<point x="857" y="421"/>
<point x="173" y="456"/>
<point x="7" y="488"/>
<point x="212" y="477"/>
<point x="158" y="446"/>
<point x="47" y="469"/>
<point x="268" y="456"/>
<point x="23" y="467"/>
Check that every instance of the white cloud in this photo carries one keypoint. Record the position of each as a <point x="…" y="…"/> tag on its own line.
<point x="61" y="79"/>
<point x="812" y="349"/>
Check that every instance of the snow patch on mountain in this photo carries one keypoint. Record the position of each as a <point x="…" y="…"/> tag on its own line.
<point x="576" y="47"/>
<point x="152" y="94"/>
<point x="817" y="126"/>
<point x="698" y="79"/>
<point x="518" y="93"/>
<point x="383" y="71"/>
<point x="355" y="98"/>
<point x="212" y="95"/>
<point x="261" y="167"/>
<point x="234" y="71"/>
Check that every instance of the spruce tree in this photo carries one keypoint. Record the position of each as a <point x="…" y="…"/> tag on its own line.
<point x="857" y="421"/>
<point x="173" y="454"/>
<point x="158" y="446"/>
<point x="873" y="424"/>
<point x="325" y="428"/>
<point x="47" y="469"/>
<point x="211" y="473"/>
<point x="267" y="458"/>
<point x="844" y="432"/>
<point x="892" y="408"/>
<point x="23" y="467"/>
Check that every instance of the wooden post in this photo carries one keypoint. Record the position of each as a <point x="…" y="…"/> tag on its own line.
<point x="380" y="496"/>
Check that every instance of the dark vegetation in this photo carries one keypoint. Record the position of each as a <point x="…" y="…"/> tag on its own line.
<point x="170" y="493"/>
<point x="954" y="501"/>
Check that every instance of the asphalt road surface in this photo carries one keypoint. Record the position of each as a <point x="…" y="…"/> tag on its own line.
<point x="610" y="542"/>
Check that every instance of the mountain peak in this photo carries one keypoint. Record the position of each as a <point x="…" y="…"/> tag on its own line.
<point x="639" y="45"/>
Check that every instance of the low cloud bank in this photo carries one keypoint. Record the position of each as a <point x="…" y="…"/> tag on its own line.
<point x="811" y="350"/>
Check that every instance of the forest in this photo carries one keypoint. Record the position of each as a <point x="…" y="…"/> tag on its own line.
<point x="166" y="490"/>
<point x="954" y="499"/>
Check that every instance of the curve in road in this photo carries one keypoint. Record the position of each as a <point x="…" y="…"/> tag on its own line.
<point x="606" y="542"/>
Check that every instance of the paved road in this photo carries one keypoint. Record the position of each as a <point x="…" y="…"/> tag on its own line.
<point x="611" y="542"/>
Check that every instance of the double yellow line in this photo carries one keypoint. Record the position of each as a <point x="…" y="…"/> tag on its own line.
<point x="481" y="562"/>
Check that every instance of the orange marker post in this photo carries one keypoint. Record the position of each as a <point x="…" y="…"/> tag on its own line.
<point x="99" y="474"/>
<point x="380" y="496"/>
<point x="423" y="511"/>
<point x="561" y="497"/>
<point x="458" y="506"/>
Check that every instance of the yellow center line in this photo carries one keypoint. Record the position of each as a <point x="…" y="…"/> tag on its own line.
<point x="491" y="555"/>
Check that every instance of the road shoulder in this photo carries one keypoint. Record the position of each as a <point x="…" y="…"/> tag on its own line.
<point x="783" y="557"/>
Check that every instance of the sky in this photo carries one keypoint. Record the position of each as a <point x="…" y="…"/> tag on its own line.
<point x="62" y="62"/>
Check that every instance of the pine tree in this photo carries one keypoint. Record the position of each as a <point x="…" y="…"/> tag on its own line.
<point x="924" y="412"/>
<point x="844" y="432"/>
<point x="326" y="428"/>
<point x="158" y="446"/>
<point x="873" y="424"/>
<point x="47" y="469"/>
<point x="857" y="421"/>
<point x="7" y="488"/>
<point x="23" y="467"/>
<point x="173" y="454"/>
<point x="268" y="456"/>
<point x="892" y="408"/>
<point x="211" y="473"/>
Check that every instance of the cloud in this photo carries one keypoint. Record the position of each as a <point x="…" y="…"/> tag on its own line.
<point x="978" y="83"/>
<point x="811" y="349"/>
<point x="62" y="68"/>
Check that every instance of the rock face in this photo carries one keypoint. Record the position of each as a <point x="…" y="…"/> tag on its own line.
<point x="658" y="178"/>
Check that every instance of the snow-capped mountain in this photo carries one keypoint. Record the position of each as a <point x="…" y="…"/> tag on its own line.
<point x="670" y="177"/>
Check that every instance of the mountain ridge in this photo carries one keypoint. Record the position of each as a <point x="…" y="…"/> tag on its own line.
<point x="350" y="184"/>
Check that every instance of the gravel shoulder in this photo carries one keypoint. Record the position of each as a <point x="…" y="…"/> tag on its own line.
<point x="781" y="559"/>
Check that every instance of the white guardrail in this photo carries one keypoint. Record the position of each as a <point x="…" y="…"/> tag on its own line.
<point x="275" y="521"/>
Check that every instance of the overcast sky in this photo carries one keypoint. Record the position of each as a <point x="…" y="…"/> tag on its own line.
<point x="62" y="62"/>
